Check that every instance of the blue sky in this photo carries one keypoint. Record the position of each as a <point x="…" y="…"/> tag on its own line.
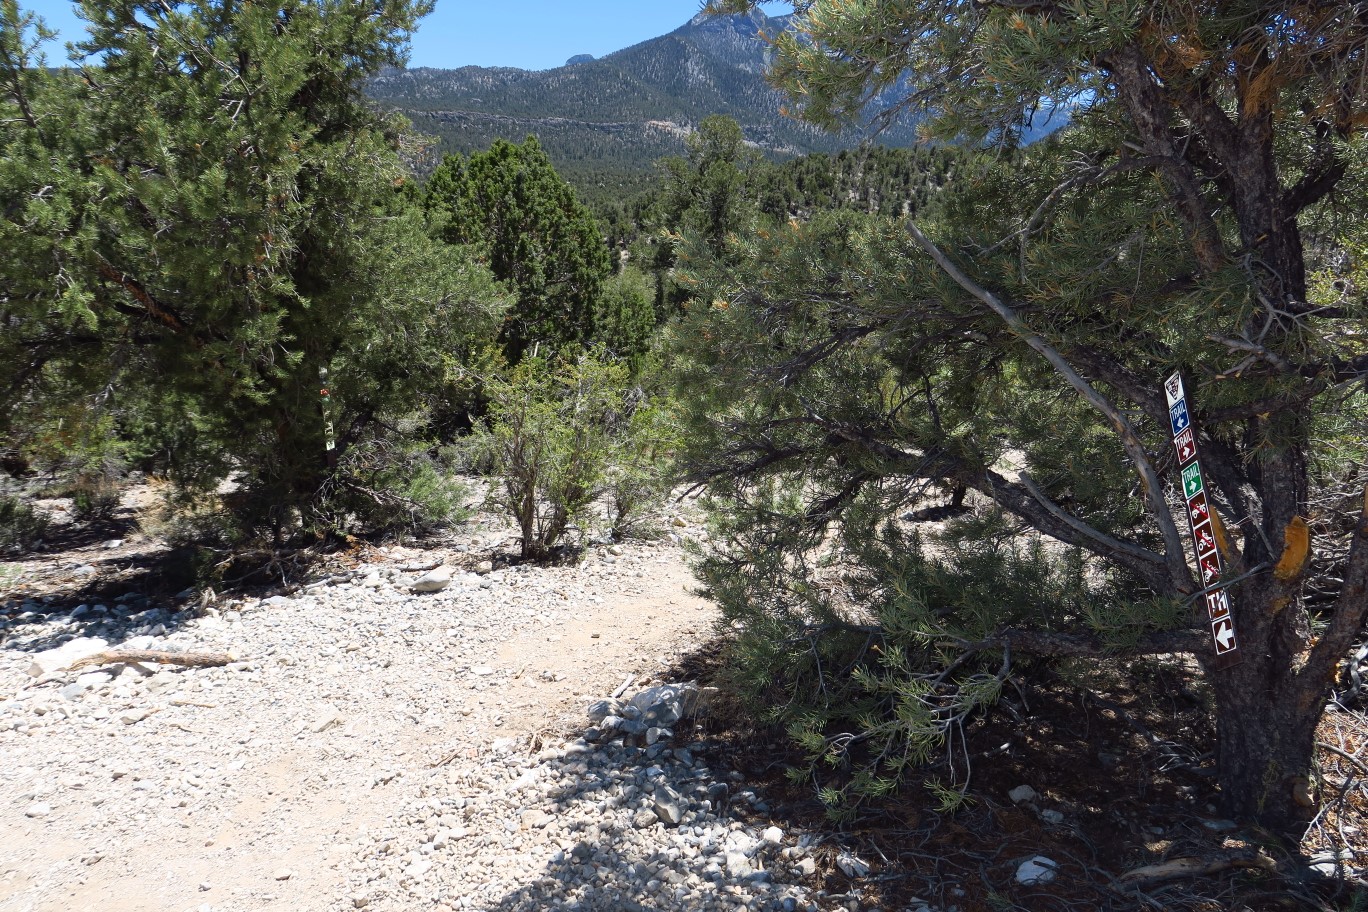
<point x="532" y="34"/>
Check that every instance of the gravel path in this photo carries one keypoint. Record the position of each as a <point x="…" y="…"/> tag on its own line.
<point x="376" y="748"/>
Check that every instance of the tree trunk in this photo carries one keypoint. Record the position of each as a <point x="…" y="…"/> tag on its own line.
<point x="1265" y="749"/>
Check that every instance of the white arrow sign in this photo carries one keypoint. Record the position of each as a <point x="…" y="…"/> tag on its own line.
<point x="1224" y="634"/>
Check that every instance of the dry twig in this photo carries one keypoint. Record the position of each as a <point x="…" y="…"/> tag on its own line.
<point x="124" y="656"/>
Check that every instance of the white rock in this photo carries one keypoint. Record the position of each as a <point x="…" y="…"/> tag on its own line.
<point x="434" y="580"/>
<point x="852" y="866"/>
<point x="284" y="874"/>
<point x="94" y="679"/>
<point x="738" y="865"/>
<point x="665" y="704"/>
<point x="38" y="810"/>
<point x="327" y="717"/>
<point x="133" y="716"/>
<point x="1023" y="793"/>
<point x="669" y="805"/>
<point x="743" y="842"/>
<point x="50" y="660"/>
<point x="1036" y="870"/>
<point x="773" y="835"/>
<point x="534" y="820"/>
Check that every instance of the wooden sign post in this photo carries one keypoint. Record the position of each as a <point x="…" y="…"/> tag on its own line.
<point x="1199" y="514"/>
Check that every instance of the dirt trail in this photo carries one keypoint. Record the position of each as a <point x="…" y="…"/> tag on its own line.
<point x="255" y="786"/>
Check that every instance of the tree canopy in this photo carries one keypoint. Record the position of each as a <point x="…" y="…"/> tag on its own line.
<point x="207" y="218"/>
<point x="1003" y="360"/>
<point x="525" y="222"/>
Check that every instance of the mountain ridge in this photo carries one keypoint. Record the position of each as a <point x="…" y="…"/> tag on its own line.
<point x="618" y="113"/>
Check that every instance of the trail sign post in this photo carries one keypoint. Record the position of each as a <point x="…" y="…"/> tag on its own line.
<point x="1200" y="523"/>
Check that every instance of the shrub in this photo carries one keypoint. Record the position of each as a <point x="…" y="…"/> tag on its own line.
<point x="383" y="485"/>
<point x="21" y="524"/>
<point x="641" y="471"/>
<point x="843" y="636"/>
<point x="95" y="502"/>
<point x="625" y="317"/>
<point x="548" y="437"/>
<point x="562" y="434"/>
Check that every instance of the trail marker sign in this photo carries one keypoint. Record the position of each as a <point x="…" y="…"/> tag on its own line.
<point x="1200" y="524"/>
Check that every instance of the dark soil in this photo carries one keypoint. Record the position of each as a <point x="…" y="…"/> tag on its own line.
<point x="1122" y="750"/>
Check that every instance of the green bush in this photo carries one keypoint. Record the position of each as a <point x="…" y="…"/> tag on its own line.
<point x="851" y="641"/>
<point x="625" y="317"/>
<point x="641" y="473"/>
<point x="563" y="434"/>
<point x="547" y="436"/>
<point x="21" y="524"/>
<point x="383" y="486"/>
<point x="94" y="502"/>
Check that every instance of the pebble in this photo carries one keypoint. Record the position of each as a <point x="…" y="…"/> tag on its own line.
<point x="1036" y="870"/>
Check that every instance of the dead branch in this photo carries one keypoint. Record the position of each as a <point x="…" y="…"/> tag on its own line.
<point x="1195" y="867"/>
<point x="124" y="656"/>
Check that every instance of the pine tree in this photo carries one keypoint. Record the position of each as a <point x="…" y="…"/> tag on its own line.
<point x="510" y="206"/>
<point x="1017" y="346"/>
<point x="212" y="220"/>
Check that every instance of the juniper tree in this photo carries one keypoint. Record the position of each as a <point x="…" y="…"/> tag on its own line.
<point x="1009" y="355"/>
<point x="206" y="218"/>
<point x="524" y="221"/>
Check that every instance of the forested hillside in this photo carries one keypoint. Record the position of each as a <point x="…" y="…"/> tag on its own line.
<point x="605" y="121"/>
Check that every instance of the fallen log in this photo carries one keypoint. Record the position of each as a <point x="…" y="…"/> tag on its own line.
<point x="124" y="656"/>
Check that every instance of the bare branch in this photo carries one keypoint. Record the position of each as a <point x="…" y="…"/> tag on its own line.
<point x="1074" y="522"/>
<point x="1087" y="646"/>
<point x="1179" y="578"/>
<point x="1351" y="609"/>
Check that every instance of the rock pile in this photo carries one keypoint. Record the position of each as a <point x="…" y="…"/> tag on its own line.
<point x="649" y="716"/>
<point x="584" y="827"/>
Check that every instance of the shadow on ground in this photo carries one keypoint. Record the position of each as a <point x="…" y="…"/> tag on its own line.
<point x="622" y="850"/>
<point x="1121" y="768"/>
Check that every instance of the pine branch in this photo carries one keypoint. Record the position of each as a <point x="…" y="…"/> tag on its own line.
<point x="1179" y="578"/>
